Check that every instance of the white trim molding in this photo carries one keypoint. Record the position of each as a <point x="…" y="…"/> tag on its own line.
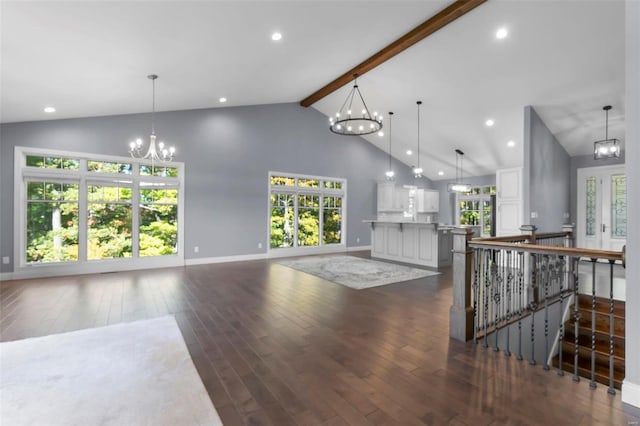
<point x="630" y="393"/>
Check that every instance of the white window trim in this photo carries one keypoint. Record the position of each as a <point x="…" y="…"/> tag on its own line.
<point x="83" y="177"/>
<point x="320" y="248"/>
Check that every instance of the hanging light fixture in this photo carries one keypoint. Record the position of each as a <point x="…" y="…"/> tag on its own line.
<point x="417" y="171"/>
<point x="355" y="119"/>
<point x="390" y="173"/>
<point x="458" y="186"/>
<point x="154" y="153"/>
<point x="606" y="148"/>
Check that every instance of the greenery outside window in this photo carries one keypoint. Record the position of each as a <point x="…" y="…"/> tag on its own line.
<point x="80" y="208"/>
<point x="305" y="211"/>
<point x="475" y="208"/>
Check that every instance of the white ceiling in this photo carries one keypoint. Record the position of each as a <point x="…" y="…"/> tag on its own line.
<point x="566" y="58"/>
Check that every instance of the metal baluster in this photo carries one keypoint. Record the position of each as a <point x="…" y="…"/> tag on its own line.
<point x="509" y="268"/>
<point x="546" y="276"/>
<point x="485" y="296"/>
<point x="611" y="323"/>
<point x="497" y="284"/>
<point x="593" y="323"/>
<point x="576" y="319"/>
<point x="561" y="332"/>
<point x="520" y="301"/>
<point x="533" y="305"/>
<point x="476" y="273"/>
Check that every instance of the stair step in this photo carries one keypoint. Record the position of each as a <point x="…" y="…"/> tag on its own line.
<point x="602" y="305"/>
<point x="602" y="323"/>
<point x="584" y="366"/>
<point x="602" y="341"/>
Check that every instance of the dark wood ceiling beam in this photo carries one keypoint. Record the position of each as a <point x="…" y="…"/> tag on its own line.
<point x="430" y="26"/>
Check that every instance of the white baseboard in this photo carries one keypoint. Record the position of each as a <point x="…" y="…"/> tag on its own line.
<point x="39" y="271"/>
<point x="97" y="267"/>
<point x="225" y="259"/>
<point x="359" y="248"/>
<point x="630" y="393"/>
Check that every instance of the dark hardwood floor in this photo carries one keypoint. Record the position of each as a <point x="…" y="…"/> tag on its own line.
<point x="275" y="346"/>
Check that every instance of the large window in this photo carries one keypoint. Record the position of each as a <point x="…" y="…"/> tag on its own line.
<point x="305" y="211"/>
<point x="476" y="208"/>
<point x="79" y="209"/>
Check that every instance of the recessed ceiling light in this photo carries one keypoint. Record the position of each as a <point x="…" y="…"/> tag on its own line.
<point x="381" y="133"/>
<point x="511" y="144"/>
<point x="222" y="100"/>
<point x="276" y="36"/>
<point x="409" y="152"/>
<point x="49" y="109"/>
<point x="440" y="173"/>
<point x="501" y="33"/>
<point x="489" y="122"/>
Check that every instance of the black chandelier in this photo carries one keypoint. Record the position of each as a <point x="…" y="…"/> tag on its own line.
<point x="355" y="119"/>
<point x="606" y="148"/>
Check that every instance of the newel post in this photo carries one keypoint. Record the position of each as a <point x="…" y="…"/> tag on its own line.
<point x="461" y="312"/>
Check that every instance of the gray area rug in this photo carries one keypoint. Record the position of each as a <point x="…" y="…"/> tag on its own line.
<point x="356" y="272"/>
<point x="137" y="373"/>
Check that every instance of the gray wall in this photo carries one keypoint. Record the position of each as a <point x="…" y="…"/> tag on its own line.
<point x="227" y="154"/>
<point x="447" y="211"/>
<point x="547" y="176"/>
<point x="631" y="386"/>
<point x="580" y="162"/>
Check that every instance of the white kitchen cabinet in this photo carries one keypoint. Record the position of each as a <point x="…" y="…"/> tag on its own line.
<point x="428" y="200"/>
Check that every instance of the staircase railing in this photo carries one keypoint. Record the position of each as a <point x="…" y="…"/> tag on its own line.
<point x="518" y="290"/>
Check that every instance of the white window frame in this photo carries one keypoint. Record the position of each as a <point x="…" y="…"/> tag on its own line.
<point x="304" y="190"/>
<point x="475" y="197"/>
<point x="84" y="177"/>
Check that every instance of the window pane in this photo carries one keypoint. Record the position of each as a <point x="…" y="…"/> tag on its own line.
<point x="158" y="222"/>
<point x="308" y="183"/>
<point x="108" y="223"/>
<point x="282" y="220"/>
<point x="331" y="184"/>
<point x="53" y="162"/>
<point x="282" y="181"/>
<point x="590" y="209"/>
<point x="486" y="217"/>
<point x="308" y="220"/>
<point x="52" y="231"/>
<point x="619" y="206"/>
<point x="332" y="220"/>
<point x="109" y="167"/>
<point x="162" y="171"/>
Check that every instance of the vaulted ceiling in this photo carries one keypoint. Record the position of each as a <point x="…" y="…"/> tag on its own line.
<point x="566" y="59"/>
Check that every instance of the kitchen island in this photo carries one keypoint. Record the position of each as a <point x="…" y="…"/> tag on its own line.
<point x="418" y="243"/>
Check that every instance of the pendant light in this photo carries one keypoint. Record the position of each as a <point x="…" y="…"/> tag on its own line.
<point x="606" y="148"/>
<point x="354" y="117"/>
<point x="417" y="171"/>
<point x="154" y="153"/>
<point x="389" y="173"/>
<point x="458" y="185"/>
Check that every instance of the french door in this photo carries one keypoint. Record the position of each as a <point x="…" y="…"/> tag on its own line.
<point x="602" y="208"/>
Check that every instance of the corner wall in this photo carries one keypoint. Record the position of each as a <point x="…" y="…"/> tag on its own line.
<point x="546" y="176"/>
<point x="631" y="384"/>
<point x="228" y="153"/>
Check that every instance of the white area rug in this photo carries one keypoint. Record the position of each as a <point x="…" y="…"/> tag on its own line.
<point x="137" y="373"/>
<point x="356" y="272"/>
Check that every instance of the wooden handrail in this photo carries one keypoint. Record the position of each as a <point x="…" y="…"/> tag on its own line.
<point x="522" y="238"/>
<point x="562" y="251"/>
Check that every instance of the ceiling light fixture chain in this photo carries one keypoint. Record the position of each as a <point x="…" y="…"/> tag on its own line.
<point x="606" y="148"/>
<point x="155" y="154"/>
<point x="417" y="171"/>
<point x="390" y="173"/>
<point x="353" y="124"/>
